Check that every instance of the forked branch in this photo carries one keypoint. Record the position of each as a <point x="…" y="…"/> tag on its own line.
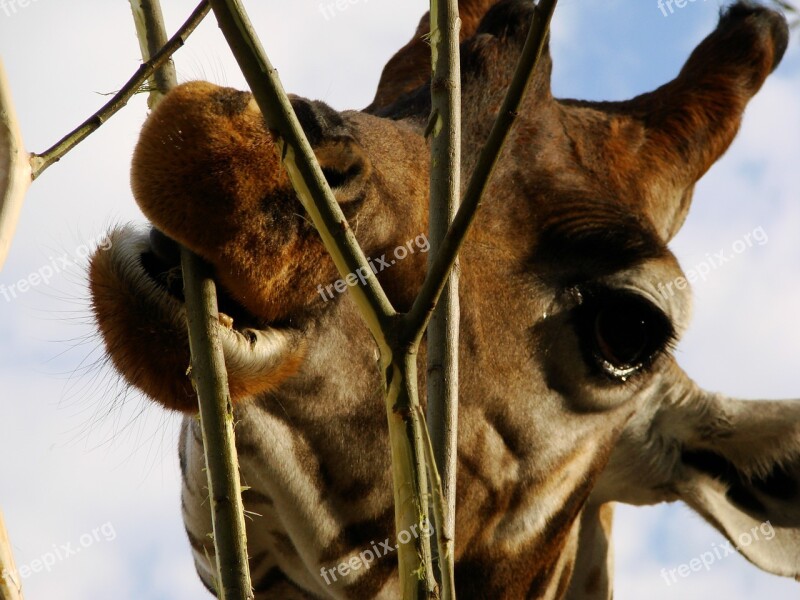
<point x="18" y="168"/>
<point x="417" y="318"/>
<point x="398" y="342"/>
<point x="407" y="431"/>
<point x="40" y="162"/>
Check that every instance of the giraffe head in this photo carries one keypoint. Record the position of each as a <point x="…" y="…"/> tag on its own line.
<point x="570" y="396"/>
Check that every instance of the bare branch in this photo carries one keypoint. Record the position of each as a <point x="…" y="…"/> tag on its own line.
<point x="209" y="377"/>
<point x="152" y="37"/>
<point x="407" y="432"/>
<point x="210" y="381"/>
<point x="443" y="332"/>
<point x="40" y="162"/>
<point x="302" y="167"/>
<point x="15" y="168"/>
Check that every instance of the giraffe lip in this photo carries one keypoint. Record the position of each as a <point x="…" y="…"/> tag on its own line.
<point x="167" y="250"/>
<point x="139" y="304"/>
<point x="161" y="263"/>
<point x="168" y="278"/>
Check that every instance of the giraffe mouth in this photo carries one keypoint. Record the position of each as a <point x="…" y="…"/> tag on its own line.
<point x="161" y="262"/>
<point x="138" y="301"/>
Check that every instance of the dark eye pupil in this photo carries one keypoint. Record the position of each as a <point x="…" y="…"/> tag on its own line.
<point x="621" y="333"/>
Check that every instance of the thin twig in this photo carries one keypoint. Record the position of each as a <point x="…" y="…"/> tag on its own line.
<point x="417" y="318"/>
<point x="443" y="331"/>
<point x="208" y="373"/>
<point x="40" y="162"/>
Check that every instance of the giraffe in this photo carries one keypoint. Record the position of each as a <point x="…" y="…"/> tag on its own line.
<point x="571" y="399"/>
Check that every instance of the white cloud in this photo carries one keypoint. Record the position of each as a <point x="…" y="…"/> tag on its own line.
<point x="754" y="185"/>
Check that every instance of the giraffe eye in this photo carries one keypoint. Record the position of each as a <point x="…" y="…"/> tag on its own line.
<point x="621" y="331"/>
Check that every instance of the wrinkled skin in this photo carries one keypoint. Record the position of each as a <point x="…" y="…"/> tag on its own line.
<point x="570" y="397"/>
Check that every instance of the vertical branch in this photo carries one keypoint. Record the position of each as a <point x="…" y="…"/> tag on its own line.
<point x="15" y="168"/>
<point x="443" y="332"/>
<point x="410" y="471"/>
<point x="216" y="417"/>
<point x="152" y="37"/>
<point x="208" y="372"/>
<point x="10" y="584"/>
<point x="419" y="315"/>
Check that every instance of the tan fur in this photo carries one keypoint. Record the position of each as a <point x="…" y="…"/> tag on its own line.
<point x="582" y="203"/>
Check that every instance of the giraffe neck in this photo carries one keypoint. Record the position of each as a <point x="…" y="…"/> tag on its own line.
<point x="594" y="563"/>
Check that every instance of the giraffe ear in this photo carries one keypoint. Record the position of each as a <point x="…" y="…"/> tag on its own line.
<point x="735" y="462"/>
<point x="410" y="67"/>
<point x="694" y="118"/>
<point x="668" y="138"/>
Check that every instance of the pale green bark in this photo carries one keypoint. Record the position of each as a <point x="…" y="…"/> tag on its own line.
<point x="209" y="377"/>
<point x="443" y="331"/>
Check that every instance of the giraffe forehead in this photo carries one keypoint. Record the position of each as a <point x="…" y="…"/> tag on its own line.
<point x="603" y="235"/>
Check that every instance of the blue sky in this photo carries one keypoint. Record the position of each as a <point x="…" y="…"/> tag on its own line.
<point x="80" y="453"/>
